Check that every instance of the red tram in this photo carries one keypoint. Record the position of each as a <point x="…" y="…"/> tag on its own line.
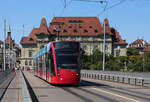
<point x="59" y="62"/>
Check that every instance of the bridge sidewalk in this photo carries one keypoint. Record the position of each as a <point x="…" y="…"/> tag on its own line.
<point x="13" y="92"/>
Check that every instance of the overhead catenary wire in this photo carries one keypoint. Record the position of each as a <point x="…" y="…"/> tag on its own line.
<point x="114" y="5"/>
<point x="65" y="5"/>
<point x="97" y="1"/>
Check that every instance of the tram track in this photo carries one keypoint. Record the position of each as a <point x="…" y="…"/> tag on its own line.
<point x="114" y="91"/>
<point x="90" y="91"/>
<point x="121" y="91"/>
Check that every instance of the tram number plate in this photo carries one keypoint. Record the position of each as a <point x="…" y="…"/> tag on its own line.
<point x="72" y="70"/>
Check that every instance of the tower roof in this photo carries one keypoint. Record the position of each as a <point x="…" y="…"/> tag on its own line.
<point x="32" y="38"/>
<point x="9" y="29"/>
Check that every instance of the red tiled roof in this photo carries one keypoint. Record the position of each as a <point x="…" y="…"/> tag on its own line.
<point x="77" y="26"/>
<point x="107" y="27"/>
<point x="117" y="38"/>
<point x="43" y="27"/>
<point x="138" y="41"/>
<point x="72" y="26"/>
<point x="32" y="38"/>
<point x="9" y="40"/>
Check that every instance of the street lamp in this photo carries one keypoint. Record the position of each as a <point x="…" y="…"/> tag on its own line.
<point x="4" y="50"/>
<point x="57" y="26"/>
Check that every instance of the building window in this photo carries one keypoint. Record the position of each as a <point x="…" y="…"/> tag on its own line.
<point x="75" y="21"/>
<point x="65" y="31"/>
<point x="31" y="39"/>
<point x="26" y="62"/>
<point x="96" y="30"/>
<point x="85" y="31"/>
<point x="30" y="63"/>
<point x="84" y="47"/>
<point x="75" y="31"/>
<point x="95" y="47"/>
<point x="90" y="27"/>
<point x="106" y="24"/>
<point x="54" y="30"/>
<point x="34" y="63"/>
<point x="117" y="52"/>
<point x="70" y="26"/>
<point x="30" y="53"/>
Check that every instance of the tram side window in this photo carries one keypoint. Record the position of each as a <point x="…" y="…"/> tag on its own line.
<point x="52" y="64"/>
<point x="36" y="64"/>
<point x="40" y="63"/>
<point x="47" y="62"/>
<point x="43" y="62"/>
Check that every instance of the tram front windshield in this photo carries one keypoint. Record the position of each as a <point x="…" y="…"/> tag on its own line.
<point x="67" y="54"/>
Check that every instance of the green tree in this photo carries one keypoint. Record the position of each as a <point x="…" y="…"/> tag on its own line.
<point x="146" y="60"/>
<point x="132" y="52"/>
<point x="135" y="63"/>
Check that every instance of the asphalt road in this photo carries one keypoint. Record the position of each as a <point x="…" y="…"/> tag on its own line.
<point x="89" y="90"/>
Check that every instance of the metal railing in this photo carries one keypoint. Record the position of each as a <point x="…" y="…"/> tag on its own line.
<point x="120" y="78"/>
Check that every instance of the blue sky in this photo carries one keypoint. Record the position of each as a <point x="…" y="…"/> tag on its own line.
<point x="131" y="18"/>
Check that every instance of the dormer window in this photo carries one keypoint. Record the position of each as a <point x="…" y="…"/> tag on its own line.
<point x="43" y="24"/>
<point x="75" y="21"/>
<point x="65" y="31"/>
<point x="106" y="24"/>
<point x="96" y="30"/>
<point x="90" y="27"/>
<point x="75" y="31"/>
<point x="31" y="39"/>
<point x="54" y="30"/>
<point x="85" y="31"/>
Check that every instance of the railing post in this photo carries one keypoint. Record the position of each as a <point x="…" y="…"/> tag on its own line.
<point x="98" y="76"/>
<point x="128" y="80"/>
<point x="122" y="79"/>
<point x="118" y="79"/>
<point x="113" y="78"/>
<point x="105" y="77"/>
<point x="95" y="76"/>
<point x="142" y="82"/>
<point x="135" y="81"/>
<point x="109" y="78"/>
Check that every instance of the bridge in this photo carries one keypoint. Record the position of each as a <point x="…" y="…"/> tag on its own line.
<point x="95" y="86"/>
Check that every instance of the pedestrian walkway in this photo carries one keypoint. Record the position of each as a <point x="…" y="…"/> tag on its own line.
<point x="13" y="92"/>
